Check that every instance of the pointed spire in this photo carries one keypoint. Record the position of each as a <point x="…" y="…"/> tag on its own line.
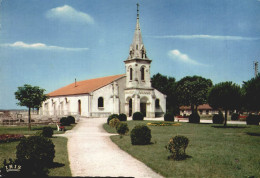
<point x="137" y="49"/>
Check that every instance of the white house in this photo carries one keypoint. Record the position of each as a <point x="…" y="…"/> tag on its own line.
<point x="126" y="93"/>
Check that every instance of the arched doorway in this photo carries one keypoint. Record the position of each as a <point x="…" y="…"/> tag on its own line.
<point x="130" y="107"/>
<point x="79" y="107"/>
<point x="143" y="108"/>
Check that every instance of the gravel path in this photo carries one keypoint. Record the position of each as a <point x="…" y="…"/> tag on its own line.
<point x="92" y="153"/>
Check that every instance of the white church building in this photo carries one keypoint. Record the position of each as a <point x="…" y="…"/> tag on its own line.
<point x="126" y="93"/>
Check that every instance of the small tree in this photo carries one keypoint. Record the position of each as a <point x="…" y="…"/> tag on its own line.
<point x="251" y="93"/>
<point x="192" y="91"/>
<point x="31" y="97"/>
<point x="226" y="96"/>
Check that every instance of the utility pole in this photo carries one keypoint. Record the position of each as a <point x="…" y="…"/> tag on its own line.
<point x="256" y="67"/>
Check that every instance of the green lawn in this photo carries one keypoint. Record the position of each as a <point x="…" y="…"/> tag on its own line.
<point x="24" y="129"/>
<point x="214" y="151"/>
<point x="8" y="150"/>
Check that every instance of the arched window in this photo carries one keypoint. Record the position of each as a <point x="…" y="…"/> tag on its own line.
<point x="131" y="74"/>
<point x="157" y="103"/>
<point x="100" y="102"/>
<point x="142" y="73"/>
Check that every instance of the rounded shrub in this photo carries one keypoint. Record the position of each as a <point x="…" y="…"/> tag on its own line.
<point x="71" y="119"/>
<point x="218" y="118"/>
<point x="177" y="146"/>
<point x="252" y="119"/>
<point x="122" y="117"/>
<point x="47" y="132"/>
<point x="168" y="117"/>
<point x="194" y="118"/>
<point x="64" y="121"/>
<point x="122" y="128"/>
<point x="36" y="150"/>
<point x="235" y="117"/>
<point x="114" y="122"/>
<point x="112" y="116"/>
<point x="138" y="116"/>
<point x="140" y="135"/>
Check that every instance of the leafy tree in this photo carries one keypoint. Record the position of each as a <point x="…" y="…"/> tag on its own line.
<point x="226" y="96"/>
<point x="31" y="97"/>
<point x="192" y="91"/>
<point x="167" y="86"/>
<point x="251" y="92"/>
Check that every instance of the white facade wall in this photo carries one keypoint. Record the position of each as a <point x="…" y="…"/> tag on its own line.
<point x="109" y="98"/>
<point x="159" y="111"/>
<point x="66" y="105"/>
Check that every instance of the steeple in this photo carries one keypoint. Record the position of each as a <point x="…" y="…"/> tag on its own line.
<point x="137" y="49"/>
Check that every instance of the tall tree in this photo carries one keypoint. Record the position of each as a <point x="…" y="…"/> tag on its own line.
<point x="167" y="86"/>
<point x="226" y="96"/>
<point x="192" y="91"/>
<point x="251" y="92"/>
<point x="31" y="97"/>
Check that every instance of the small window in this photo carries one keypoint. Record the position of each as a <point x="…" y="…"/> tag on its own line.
<point x="100" y="102"/>
<point x="136" y="47"/>
<point x="207" y="112"/>
<point x="157" y="103"/>
<point x="131" y="74"/>
<point x="142" y="73"/>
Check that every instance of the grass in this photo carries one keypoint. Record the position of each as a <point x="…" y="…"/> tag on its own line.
<point x="214" y="151"/>
<point x="24" y="129"/>
<point x="61" y="166"/>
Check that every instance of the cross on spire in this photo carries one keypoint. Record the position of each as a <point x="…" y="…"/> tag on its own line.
<point x="137" y="10"/>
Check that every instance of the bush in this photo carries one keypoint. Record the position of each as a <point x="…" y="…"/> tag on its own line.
<point x="235" y="117"/>
<point x="122" y="117"/>
<point x="138" y="116"/>
<point x="36" y="153"/>
<point x="218" y="118"/>
<point x="140" y="135"/>
<point x="122" y="128"/>
<point x="64" y="121"/>
<point x="47" y="132"/>
<point x="169" y="117"/>
<point x="112" y="116"/>
<point x="114" y="122"/>
<point x="71" y="119"/>
<point x="194" y="118"/>
<point x="177" y="146"/>
<point x="253" y="119"/>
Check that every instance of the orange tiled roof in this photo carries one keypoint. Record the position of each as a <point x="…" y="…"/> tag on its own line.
<point x="85" y="86"/>
<point x="203" y="106"/>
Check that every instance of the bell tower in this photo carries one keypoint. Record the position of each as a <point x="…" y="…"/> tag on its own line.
<point x="139" y="94"/>
<point x="137" y="64"/>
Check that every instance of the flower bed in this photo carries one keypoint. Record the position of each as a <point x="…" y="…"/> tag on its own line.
<point x="163" y="124"/>
<point x="10" y="137"/>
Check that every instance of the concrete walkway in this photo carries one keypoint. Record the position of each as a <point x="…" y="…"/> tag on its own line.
<point x="92" y="153"/>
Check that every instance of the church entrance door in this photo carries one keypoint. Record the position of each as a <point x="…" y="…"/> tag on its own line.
<point x="130" y="107"/>
<point x="143" y="109"/>
<point x="79" y="107"/>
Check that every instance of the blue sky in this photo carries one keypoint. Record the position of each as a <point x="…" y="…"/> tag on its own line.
<point x="50" y="43"/>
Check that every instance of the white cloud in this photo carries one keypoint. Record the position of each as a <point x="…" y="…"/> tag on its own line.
<point x="213" y="37"/>
<point x="177" y="55"/>
<point x="69" y="14"/>
<point x="40" y="46"/>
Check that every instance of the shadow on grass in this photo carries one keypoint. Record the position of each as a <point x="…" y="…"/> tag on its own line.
<point x="253" y="134"/>
<point x="56" y="165"/>
<point x="182" y="158"/>
<point x="199" y="123"/>
<point x="229" y="127"/>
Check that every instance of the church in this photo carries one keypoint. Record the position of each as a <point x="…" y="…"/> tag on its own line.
<point x="125" y="93"/>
